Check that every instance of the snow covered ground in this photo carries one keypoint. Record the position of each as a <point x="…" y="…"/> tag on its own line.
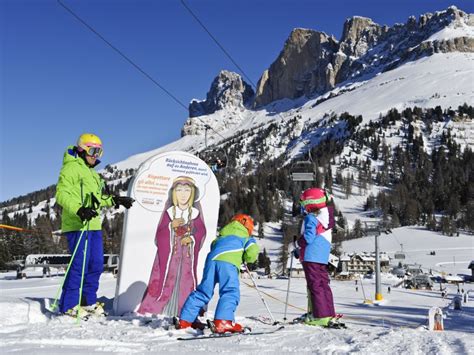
<point x="396" y="326"/>
<point x="453" y="254"/>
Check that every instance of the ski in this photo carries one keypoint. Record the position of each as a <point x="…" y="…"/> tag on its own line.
<point x="335" y="323"/>
<point x="227" y="335"/>
<point x="264" y="320"/>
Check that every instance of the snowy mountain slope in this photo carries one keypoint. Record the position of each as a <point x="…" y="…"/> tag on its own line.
<point x="440" y="79"/>
<point x="456" y="29"/>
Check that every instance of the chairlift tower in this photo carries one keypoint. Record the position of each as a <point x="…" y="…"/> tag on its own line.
<point x="215" y="157"/>
<point x="374" y="229"/>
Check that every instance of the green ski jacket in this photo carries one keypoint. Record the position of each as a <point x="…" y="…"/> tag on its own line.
<point x="79" y="185"/>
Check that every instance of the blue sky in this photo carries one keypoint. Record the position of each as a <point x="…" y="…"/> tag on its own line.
<point x="59" y="80"/>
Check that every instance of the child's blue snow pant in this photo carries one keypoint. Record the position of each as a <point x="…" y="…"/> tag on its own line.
<point x="92" y="271"/>
<point x="227" y="276"/>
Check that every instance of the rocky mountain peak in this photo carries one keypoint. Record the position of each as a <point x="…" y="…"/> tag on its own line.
<point x="357" y="35"/>
<point x="312" y="63"/>
<point x="354" y="28"/>
<point x="228" y="89"/>
<point x="302" y="65"/>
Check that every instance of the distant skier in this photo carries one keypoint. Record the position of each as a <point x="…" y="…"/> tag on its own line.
<point x="389" y="289"/>
<point x="315" y="246"/>
<point x="81" y="193"/>
<point x="233" y="246"/>
<point x="46" y="271"/>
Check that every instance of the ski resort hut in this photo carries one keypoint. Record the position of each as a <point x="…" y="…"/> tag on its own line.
<point x="398" y="272"/>
<point x="413" y="269"/>
<point x="419" y="281"/>
<point x="362" y="263"/>
<point x="453" y="279"/>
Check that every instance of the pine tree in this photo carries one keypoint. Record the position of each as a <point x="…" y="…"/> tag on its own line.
<point x="347" y="186"/>
<point x="431" y="223"/>
<point x="264" y="261"/>
<point x="357" y="230"/>
<point x="261" y="233"/>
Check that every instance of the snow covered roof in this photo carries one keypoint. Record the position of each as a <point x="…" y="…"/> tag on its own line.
<point x="365" y="256"/>
<point x="453" y="278"/>
<point x="344" y="257"/>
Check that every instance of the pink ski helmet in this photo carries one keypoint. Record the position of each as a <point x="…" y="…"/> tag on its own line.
<point x="313" y="198"/>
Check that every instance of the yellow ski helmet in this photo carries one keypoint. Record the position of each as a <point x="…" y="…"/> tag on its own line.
<point x="91" y="144"/>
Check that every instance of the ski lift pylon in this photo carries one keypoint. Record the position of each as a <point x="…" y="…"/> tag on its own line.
<point x="215" y="158"/>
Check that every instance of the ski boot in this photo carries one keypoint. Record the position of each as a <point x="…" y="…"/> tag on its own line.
<point x="300" y="319"/>
<point x="336" y="323"/>
<point x="322" y="322"/>
<point x="95" y="310"/>
<point x="183" y="324"/>
<point x="325" y="322"/>
<point x="220" y="326"/>
<point x="77" y="312"/>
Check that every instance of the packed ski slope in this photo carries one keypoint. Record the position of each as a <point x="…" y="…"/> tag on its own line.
<point x="395" y="326"/>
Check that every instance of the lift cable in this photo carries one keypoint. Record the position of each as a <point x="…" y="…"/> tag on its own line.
<point x="136" y="66"/>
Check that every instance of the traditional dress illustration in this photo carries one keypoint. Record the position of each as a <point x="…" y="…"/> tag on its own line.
<point x="179" y="238"/>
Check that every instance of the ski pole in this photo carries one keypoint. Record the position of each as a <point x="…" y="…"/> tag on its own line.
<point x="258" y="291"/>
<point x="55" y="303"/>
<point x="82" y="278"/>
<point x="362" y="286"/>
<point x="288" y="287"/>
<point x="293" y="254"/>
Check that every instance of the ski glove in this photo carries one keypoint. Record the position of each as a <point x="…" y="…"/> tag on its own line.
<point x="124" y="201"/>
<point x="86" y="213"/>
<point x="296" y="253"/>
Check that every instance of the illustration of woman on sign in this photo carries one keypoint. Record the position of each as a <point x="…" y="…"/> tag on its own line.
<point x="179" y="237"/>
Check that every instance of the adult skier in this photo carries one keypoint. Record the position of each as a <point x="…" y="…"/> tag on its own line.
<point x="233" y="246"/>
<point x="81" y="192"/>
<point x="315" y="243"/>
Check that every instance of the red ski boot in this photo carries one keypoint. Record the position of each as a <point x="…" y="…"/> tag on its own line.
<point x="223" y="326"/>
<point x="183" y="324"/>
